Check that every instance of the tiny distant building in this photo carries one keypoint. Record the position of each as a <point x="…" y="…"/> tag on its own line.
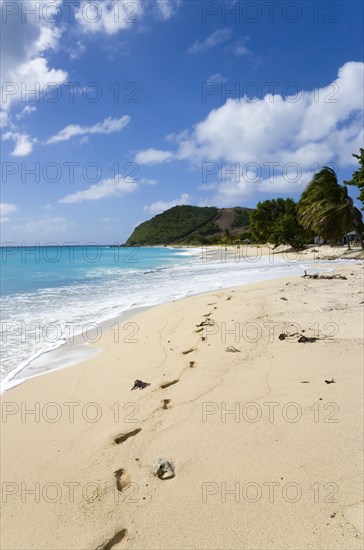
<point x="319" y="240"/>
<point x="349" y="237"/>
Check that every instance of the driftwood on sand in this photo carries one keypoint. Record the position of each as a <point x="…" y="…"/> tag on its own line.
<point x="301" y="338"/>
<point x="317" y="276"/>
<point x="206" y="323"/>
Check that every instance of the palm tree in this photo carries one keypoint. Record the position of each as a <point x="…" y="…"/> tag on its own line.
<point x="326" y="208"/>
<point x="226" y="237"/>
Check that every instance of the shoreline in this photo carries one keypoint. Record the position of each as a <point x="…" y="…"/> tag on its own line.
<point x="70" y="352"/>
<point x="82" y="349"/>
<point x="181" y="417"/>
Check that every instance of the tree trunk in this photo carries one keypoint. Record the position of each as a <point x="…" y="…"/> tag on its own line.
<point x="348" y="242"/>
<point x="357" y="231"/>
<point x="360" y="239"/>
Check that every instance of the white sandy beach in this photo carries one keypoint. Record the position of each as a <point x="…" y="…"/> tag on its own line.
<point x="266" y="453"/>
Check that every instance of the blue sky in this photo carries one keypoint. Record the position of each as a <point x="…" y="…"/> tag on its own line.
<point x="141" y="105"/>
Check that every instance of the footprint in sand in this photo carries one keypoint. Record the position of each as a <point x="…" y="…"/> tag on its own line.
<point x="167" y="404"/>
<point x="123" y="437"/>
<point x="168" y="384"/>
<point x="118" y="537"/>
<point x="188" y="351"/>
<point x="122" y="479"/>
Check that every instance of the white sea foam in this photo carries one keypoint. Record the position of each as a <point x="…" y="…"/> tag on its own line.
<point x="39" y="321"/>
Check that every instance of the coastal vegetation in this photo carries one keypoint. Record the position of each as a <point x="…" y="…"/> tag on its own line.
<point x="190" y="225"/>
<point x="358" y="176"/>
<point x="275" y="221"/>
<point x="325" y="210"/>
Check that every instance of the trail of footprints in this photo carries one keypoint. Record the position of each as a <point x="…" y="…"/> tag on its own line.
<point x="118" y="537"/>
<point x="122" y="477"/>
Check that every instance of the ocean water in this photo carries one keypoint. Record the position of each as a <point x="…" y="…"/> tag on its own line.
<point x="49" y="295"/>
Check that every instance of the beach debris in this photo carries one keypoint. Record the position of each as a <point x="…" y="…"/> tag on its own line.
<point x="283" y="298"/>
<point x="164" y="469"/>
<point x="332" y="381"/>
<point x="206" y="323"/>
<point x="305" y="339"/>
<point x="166" y="403"/>
<point x="305" y="382"/>
<point x="231" y="349"/>
<point x="139" y="384"/>
<point x="328" y="277"/>
<point x="192" y="364"/>
<point x="302" y="339"/>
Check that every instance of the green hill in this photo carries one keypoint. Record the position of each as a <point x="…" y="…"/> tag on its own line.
<point x="190" y="225"/>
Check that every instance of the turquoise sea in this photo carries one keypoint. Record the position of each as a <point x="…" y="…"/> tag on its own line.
<point x="50" y="294"/>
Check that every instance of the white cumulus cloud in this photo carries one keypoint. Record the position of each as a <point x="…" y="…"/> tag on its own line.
<point x="108" y="16"/>
<point x="153" y="156"/>
<point x="167" y="8"/>
<point x="6" y="210"/>
<point x="26" y="40"/>
<point x="309" y="128"/>
<point x="107" y="188"/>
<point x="160" y="206"/>
<point x="23" y="143"/>
<point x="108" y="126"/>
<point x="218" y="37"/>
<point x="113" y="16"/>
